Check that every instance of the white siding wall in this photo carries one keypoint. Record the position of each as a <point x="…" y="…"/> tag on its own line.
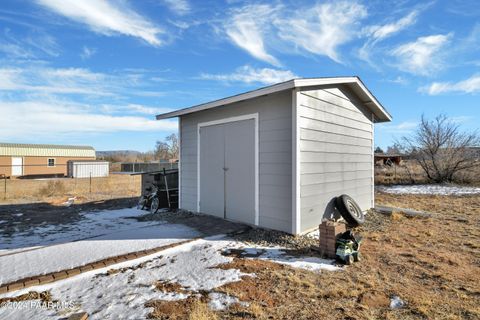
<point x="336" y="138"/>
<point x="275" y="157"/>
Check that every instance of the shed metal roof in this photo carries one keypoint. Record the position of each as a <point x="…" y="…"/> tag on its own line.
<point x="45" y="150"/>
<point x="354" y="83"/>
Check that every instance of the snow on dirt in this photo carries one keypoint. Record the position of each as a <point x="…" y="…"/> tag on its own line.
<point x="437" y="189"/>
<point x="280" y="255"/>
<point x="122" y="295"/>
<point x="100" y="235"/>
<point x="91" y="224"/>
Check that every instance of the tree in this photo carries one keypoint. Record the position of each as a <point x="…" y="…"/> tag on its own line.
<point x="378" y="150"/>
<point x="441" y="149"/>
<point x="167" y="149"/>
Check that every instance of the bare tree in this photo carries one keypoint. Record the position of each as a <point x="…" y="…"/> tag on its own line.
<point x="167" y="149"/>
<point x="441" y="149"/>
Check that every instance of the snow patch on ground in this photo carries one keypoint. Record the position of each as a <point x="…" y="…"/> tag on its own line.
<point x="279" y="255"/>
<point x="221" y="301"/>
<point x="91" y="224"/>
<point x="429" y="189"/>
<point x="123" y="295"/>
<point x="42" y="260"/>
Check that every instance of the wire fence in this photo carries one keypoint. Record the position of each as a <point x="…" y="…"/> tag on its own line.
<point x="82" y="180"/>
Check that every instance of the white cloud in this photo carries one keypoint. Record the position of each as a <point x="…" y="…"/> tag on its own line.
<point x="380" y="32"/>
<point x="248" y="74"/>
<point x="51" y="119"/>
<point x="398" y="80"/>
<point x="470" y="85"/>
<point x="319" y="29"/>
<point x="87" y="52"/>
<point x="59" y="81"/>
<point x="133" y="109"/>
<point x="247" y="28"/>
<point x="423" y="56"/>
<point x="323" y="28"/>
<point x="180" y="7"/>
<point x="107" y="18"/>
<point x="402" y="127"/>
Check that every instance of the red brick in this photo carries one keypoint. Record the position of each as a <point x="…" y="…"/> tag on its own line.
<point x="73" y="272"/>
<point x="86" y="268"/>
<point x="60" y="275"/>
<point x="31" y="282"/>
<point x="15" y="286"/>
<point x="46" y="279"/>
<point x="99" y="265"/>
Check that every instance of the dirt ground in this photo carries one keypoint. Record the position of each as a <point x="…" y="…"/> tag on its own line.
<point x="432" y="264"/>
<point x="25" y="217"/>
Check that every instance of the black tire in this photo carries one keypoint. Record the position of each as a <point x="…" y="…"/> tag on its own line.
<point x="349" y="259"/>
<point x="357" y="257"/>
<point x="154" y="205"/>
<point x="141" y="203"/>
<point x="350" y="210"/>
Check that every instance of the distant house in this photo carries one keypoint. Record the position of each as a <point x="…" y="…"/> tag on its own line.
<point x="30" y="160"/>
<point x="388" y="159"/>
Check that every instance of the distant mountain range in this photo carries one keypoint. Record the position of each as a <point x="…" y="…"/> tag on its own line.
<point x="113" y="153"/>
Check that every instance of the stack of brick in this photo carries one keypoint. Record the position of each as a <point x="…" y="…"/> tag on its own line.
<point x="329" y="230"/>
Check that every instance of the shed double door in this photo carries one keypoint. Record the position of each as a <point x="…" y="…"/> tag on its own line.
<point x="227" y="170"/>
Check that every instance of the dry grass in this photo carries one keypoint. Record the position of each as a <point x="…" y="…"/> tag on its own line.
<point x="410" y="172"/>
<point x="431" y="263"/>
<point x="200" y="311"/>
<point x="43" y="296"/>
<point x="58" y="190"/>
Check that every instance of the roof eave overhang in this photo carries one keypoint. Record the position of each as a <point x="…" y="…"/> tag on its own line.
<point x="366" y="97"/>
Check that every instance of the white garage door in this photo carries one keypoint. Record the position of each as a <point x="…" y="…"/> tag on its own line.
<point x="17" y="166"/>
<point x="227" y="170"/>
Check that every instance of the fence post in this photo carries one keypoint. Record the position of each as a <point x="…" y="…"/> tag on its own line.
<point x="90" y="182"/>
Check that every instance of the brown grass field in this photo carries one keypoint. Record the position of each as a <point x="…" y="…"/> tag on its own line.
<point x="410" y="172"/>
<point x="433" y="264"/>
<point x="59" y="190"/>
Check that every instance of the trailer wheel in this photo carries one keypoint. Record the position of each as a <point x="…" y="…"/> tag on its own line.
<point x="154" y="205"/>
<point x="350" y="210"/>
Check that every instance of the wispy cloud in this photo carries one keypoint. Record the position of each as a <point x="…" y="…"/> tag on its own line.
<point x="180" y="7"/>
<point x="423" y="56"/>
<point x="380" y="32"/>
<point x="107" y="18"/>
<point x="87" y="52"/>
<point x="319" y="29"/>
<point x="247" y="28"/>
<point x="56" y="81"/>
<point x="470" y="85"/>
<point x="323" y="28"/>
<point x="247" y="74"/>
<point x="27" y="47"/>
<point x="133" y="109"/>
<point x="402" y="127"/>
<point x="51" y="119"/>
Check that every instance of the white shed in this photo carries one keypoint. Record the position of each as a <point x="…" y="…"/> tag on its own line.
<point x="87" y="169"/>
<point x="278" y="156"/>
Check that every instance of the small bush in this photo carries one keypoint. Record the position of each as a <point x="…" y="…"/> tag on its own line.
<point x="52" y="188"/>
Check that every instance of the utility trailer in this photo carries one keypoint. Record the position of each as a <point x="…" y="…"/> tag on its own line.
<point x="167" y="183"/>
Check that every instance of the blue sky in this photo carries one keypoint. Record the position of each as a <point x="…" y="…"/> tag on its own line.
<point x="96" y="72"/>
